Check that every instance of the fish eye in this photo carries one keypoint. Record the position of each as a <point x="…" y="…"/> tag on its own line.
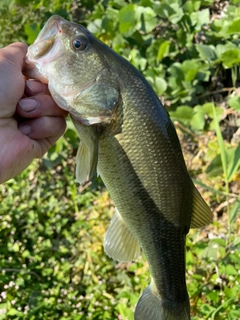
<point x="79" y="43"/>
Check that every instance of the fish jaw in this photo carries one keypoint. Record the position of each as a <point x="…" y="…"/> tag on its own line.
<point x="47" y="47"/>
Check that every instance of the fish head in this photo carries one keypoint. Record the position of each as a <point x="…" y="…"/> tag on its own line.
<point x="68" y="57"/>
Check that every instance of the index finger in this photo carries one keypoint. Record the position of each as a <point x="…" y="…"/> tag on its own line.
<point x="35" y="87"/>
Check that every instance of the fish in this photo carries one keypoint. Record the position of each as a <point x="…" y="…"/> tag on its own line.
<point x="128" y="138"/>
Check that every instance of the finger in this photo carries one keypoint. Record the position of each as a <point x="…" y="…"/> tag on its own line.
<point x="38" y="106"/>
<point x="15" y="53"/>
<point x="50" y="128"/>
<point x="34" y="87"/>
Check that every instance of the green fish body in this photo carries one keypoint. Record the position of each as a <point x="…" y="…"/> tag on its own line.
<point x="128" y="138"/>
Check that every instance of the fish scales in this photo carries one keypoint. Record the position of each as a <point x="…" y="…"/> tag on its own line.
<point x="128" y="137"/>
<point x="145" y="185"/>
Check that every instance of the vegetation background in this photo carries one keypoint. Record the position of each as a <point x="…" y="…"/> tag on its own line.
<point x="52" y="264"/>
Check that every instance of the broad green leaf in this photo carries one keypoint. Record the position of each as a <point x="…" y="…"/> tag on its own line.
<point x="234" y="27"/>
<point x="208" y="109"/>
<point x="127" y="19"/>
<point x="164" y="10"/>
<point x="14" y="312"/>
<point x="198" y="119"/>
<point x="200" y="18"/>
<point x="190" y="6"/>
<point x="190" y="69"/>
<point x="183" y="114"/>
<point x="178" y="13"/>
<point x="177" y="72"/>
<point x="206" y="52"/>
<point x="173" y="12"/>
<point x="161" y="85"/>
<point x="228" y="270"/>
<point x="222" y="48"/>
<point x="163" y="50"/>
<point x="230" y="58"/>
<point x="234" y="102"/>
<point x="95" y="26"/>
<point x="146" y="19"/>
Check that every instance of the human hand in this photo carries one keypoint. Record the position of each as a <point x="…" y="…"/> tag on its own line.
<point x="30" y="121"/>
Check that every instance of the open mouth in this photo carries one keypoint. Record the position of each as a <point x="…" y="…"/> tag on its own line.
<point x="48" y="46"/>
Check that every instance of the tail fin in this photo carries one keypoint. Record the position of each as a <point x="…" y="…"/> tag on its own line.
<point x="150" y="306"/>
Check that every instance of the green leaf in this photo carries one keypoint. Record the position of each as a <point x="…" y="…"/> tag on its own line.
<point x="163" y="50"/>
<point x="127" y="19"/>
<point x="183" y="114"/>
<point x="173" y="12"/>
<point x="146" y="19"/>
<point x="215" y="167"/>
<point x="14" y="312"/>
<point x="137" y="60"/>
<point x="234" y="102"/>
<point x="233" y="160"/>
<point x="208" y="109"/>
<point x="190" y="6"/>
<point x="235" y="211"/>
<point x="161" y="85"/>
<point x="234" y="27"/>
<point x="230" y="58"/>
<point x="206" y="52"/>
<point x="222" y="48"/>
<point x="198" y="119"/>
<point x="32" y="31"/>
<point x="190" y="69"/>
<point x="200" y="18"/>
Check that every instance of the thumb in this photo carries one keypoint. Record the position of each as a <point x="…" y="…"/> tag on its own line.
<point x="15" y="54"/>
<point x="12" y="82"/>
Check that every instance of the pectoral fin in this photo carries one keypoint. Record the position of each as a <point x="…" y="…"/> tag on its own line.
<point x="202" y="214"/>
<point x="86" y="163"/>
<point x="119" y="242"/>
<point x="87" y="155"/>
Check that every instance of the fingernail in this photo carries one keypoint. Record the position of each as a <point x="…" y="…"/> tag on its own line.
<point x="35" y="86"/>
<point x="25" y="129"/>
<point x="28" y="104"/>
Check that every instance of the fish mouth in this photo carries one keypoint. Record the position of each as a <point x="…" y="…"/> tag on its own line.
<point x="47" y="47"/>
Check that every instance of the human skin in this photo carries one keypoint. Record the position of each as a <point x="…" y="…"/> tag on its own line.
<point x="30" y="121"/>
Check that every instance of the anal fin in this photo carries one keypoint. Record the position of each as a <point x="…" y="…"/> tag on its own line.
<point x="119" y="242"/>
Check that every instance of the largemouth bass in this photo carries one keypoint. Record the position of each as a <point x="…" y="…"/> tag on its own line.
<point x="128" y="138"/>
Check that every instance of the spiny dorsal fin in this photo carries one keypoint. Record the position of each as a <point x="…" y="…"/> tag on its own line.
<point x="202" y="214"/>
<point x="119" y="242"/>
